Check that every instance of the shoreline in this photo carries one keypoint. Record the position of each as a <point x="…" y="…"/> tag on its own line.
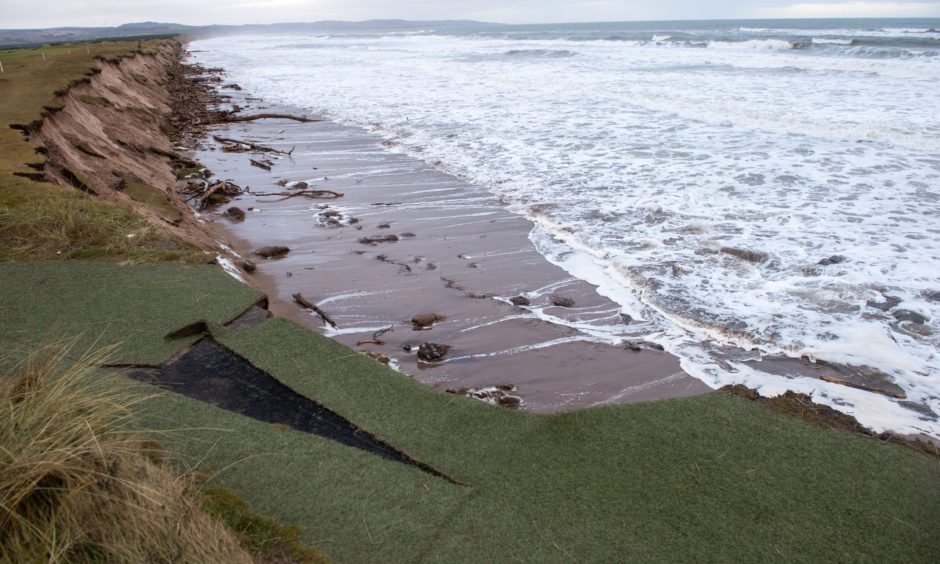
<point x="460" y="254"/>
<point x="730" y="467"/>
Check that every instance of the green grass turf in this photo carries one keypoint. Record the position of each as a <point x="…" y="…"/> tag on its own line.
<point x="102" y="303"/>
<point x="710" y="478"/>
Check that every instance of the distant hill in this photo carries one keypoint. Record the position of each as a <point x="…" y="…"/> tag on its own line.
<point x="24" y="37"/>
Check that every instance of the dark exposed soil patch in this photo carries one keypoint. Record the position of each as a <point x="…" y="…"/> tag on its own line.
<point x="214" y="374"/>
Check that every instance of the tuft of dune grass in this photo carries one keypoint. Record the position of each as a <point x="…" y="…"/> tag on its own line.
<point x="76" y="485"/>
<point x="55" y="223"/>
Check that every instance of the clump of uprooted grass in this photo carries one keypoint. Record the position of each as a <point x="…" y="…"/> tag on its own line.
<point x="77" y="486"/>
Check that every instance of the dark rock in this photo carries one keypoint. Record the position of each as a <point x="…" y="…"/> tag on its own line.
<point x="890" y="302"/>
<point x="384" y="226"/>
<point x="512" y="402"/>
<point x="282" y="182"/>
<point x="300" y="186"/>
<point x="506" y="387"/>
<point x="637" y="346"/>
<point x="274" y="251"/>
<point x="834" y="259"/>
<point x="746" y="254"/>
<point x="378" y="239"/>
<point x="933" y="297"/>
<point x="627" y="320"/>
<point x="432" y="352"/>
<point x="425" y="320"/>
<point x="235" y="213"/>
<point x="247" y="265"/>
<point x="520" y="301"/>
<point x="908" y="315"/>
<point x="562" y="301"/>
<point x="408" y="235"/>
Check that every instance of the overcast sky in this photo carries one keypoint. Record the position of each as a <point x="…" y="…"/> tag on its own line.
<point x="53" y="13"/>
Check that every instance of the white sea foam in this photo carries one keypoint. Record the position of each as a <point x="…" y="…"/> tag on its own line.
<point x="641" y="161"/>
<point x="830" y="41"/>
<point x="753" y="44"/>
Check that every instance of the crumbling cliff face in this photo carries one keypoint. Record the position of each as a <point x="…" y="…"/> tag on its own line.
<point x="108" y="135"/>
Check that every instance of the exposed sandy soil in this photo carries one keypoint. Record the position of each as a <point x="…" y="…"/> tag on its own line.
<point x="111" y="132"/>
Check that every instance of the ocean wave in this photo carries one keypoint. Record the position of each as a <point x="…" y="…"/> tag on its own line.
<point x="536" y="53"/>
<point x="659" y="37"/>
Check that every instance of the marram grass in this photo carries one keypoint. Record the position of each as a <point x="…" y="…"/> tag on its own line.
<point x="76" y="485"/>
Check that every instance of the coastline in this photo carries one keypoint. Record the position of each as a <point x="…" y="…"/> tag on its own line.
<point x="460" y="254"/>
<point x="735" y="471"/>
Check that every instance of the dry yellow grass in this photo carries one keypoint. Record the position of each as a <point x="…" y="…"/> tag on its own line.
<point x="76" y="485"/>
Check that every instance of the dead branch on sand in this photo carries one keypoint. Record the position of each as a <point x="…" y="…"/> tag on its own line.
<point x="300" y="299"/>
<point x="260" y="164"/>
<point x="239" y="119"/>
<point x="375" y="337"/>
<point x="226" y="188"/>
<point x="252" y="146"/>
<point x="307" y="193"/>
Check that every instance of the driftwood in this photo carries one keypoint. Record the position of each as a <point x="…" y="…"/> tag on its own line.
<point x="300" y="299"/>
<point x="252" y="146"/>
<point x="375" y="340"/>
<point x="307" y="193"/>
<point x="204" y="199"/>
<point x="239" y="119"/>
<point x="260" y="164"/>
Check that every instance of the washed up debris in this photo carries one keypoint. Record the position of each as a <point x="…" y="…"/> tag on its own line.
<point x="231" y="118"/>
<point x="376" y="337"/>
<point x="378" y="239"/>
<point x="235" y="213"/>
<point x="426" y="320"/>
<point x="433" y="352"/>
<point x="500" y="395"/>
<point x="562" y="301"/>
<point x="315" y="194"/>
<point x="378" y="357"/>
<point x="637" y="346"/>
<point x="274" y="251"/>
<point x="241" y="146"/>
<point x="247" y="265"/>
<point x="217" y="193"/>
<point x="520" y="301"/>
<point x="264" y="164"/>
<point x="746" y="254"/>
<point x="300" y="299"/>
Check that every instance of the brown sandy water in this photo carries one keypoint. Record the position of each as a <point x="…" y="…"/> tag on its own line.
<point x="467" y="257"/>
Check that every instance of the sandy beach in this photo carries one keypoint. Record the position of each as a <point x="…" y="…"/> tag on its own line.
<point x="459" y="254"/>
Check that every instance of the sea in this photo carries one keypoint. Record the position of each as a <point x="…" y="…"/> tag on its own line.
<point x="744" y="190"/>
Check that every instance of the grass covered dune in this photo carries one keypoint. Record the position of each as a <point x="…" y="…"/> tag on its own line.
<point x="707" y="478"/>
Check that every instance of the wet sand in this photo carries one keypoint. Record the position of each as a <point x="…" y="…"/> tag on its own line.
<point x="459" y="254"/>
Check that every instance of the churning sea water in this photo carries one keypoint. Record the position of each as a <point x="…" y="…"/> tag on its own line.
<point x="650" y="155"/>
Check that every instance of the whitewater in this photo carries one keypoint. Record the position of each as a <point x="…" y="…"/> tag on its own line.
<point x="653" y="157"/>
